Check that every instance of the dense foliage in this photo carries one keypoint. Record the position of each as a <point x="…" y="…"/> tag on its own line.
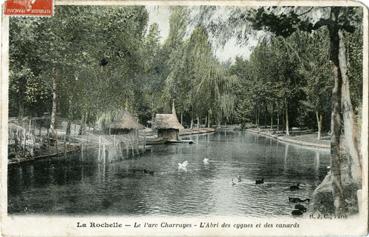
<point x="102" y="59"/>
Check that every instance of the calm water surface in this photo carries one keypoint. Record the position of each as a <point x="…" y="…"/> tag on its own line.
<point x="73" y="185"/>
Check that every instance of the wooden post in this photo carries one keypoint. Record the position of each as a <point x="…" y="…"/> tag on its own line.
<point x="30" y="125"/>
<point x="56" y="141"/>
<point x="65" y="137"/>
<point x="47" y="137"/>
<point x="144" y="143"/>
<point x="25" y="139"/>
<point x="82" y="152"/>
<point x="137" y="142"/>
<point x="104" y="157"/>
<point x="127" y="148"/>
<point x="33" y="143"/>
<point x="98" y="157"/>
<point x="16" y="140"/>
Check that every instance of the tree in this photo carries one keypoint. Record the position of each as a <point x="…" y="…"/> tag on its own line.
<point x="315" y="70"/>
<point x="88" y="61"/>
<point x="285" y="21"/>
<point x="340" y="19"/>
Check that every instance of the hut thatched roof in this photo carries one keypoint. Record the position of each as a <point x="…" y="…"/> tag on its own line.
<point x="124" y="120"/>
<point x="167" y="121"/>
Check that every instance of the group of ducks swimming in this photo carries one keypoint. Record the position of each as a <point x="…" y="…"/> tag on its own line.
<point x="299" y="208"/>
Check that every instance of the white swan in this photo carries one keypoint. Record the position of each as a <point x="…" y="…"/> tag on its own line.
<point x="206" y="161"/>
<point x="183" y="166"/>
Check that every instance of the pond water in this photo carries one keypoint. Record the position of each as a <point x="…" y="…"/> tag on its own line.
<point x="74" y="186"/>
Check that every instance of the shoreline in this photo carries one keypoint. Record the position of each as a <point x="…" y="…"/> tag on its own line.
<point x="194" y="131"/>
<point x="183" y="133"/>
<point x="22" y="160"/>
<point x="290" y="140"/>
<point x="77" y="148"/>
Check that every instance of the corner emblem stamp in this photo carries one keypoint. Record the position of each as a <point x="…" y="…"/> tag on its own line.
<point x="29" y="8"/>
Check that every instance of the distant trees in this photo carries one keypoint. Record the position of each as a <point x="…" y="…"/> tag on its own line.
<point x="294" y="78"/>
<point x="199" y="84"/>
<point x="82" y="62"/>
<point x="315" y="69"/>
<point x="97" y="59"/>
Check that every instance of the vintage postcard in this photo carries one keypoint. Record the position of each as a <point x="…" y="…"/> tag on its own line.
<point x="184" y="118"/>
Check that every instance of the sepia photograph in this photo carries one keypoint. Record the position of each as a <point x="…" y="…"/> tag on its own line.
<point x="165" y="110"/>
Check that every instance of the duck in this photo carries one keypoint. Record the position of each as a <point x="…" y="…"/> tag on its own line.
<point x="259" y="181"/>
<point x="183" y="165"/>
<point x="205" y="161"/>
<point x="300" y="207"/>
<point x="295" y="200"/>
<point x="239" y="178"/>
<point x="150" y="172"/>
<point x="296" y="213"/>
<point x="295" y="187"/>
<point x="233" y="183"/>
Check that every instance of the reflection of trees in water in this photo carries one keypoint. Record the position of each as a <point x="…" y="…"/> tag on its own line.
<point x="107" y="187"/>
<point x="317" y="163"/>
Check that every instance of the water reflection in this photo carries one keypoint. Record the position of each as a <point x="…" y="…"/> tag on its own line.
<point x="89" y="183"/>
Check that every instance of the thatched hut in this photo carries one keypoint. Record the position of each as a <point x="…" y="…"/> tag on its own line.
<point x="124" y="123"/>
<point x="168" y="126"/>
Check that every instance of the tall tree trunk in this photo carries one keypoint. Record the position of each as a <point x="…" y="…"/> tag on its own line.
<point x="182" y="118"/>
<point x="287" y="123"/>
<point x="271" y="117"/>
<point x="152" y="112"/>
<point x="83" y="123"/>
<point x="191" y="125"/>
<point x="20" y="110"/>
<point x="319" y="120"/>
<point x="198" y="122"/>
<point x="277" y="120"/>
<point x="336" y="119"/>
<point x="265" y="116"/>
<point x="209" y="119"/>
<point x="351" y="143"/>
<point x="67" y="131"/>
<point x="54" y="100"/>
<point x="256" y="118"/>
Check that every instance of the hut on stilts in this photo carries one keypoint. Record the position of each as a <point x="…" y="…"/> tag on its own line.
<point x="123" y="132"/>
<point x="168" y="126"/>
<point x="124" y="123"/>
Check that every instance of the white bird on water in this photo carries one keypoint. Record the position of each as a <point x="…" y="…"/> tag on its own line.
<point x="206" y="161"/>
<point x="183" y="165"/>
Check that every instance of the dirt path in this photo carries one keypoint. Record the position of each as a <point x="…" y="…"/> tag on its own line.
<point x="309" y="140"/>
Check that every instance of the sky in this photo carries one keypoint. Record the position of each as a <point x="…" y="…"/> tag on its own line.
<point x="161" y="14"/>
